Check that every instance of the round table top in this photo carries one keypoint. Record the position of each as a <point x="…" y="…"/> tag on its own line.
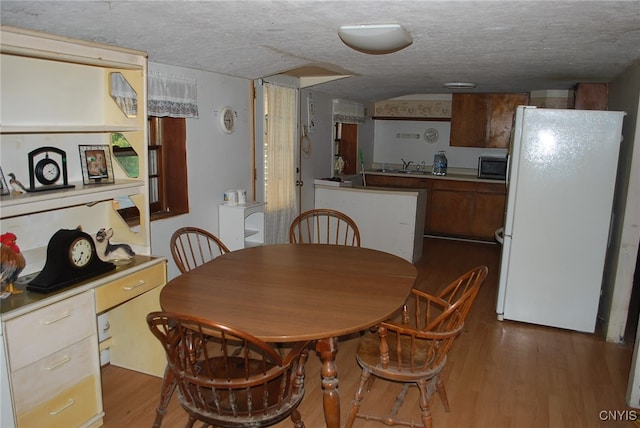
<point x="294" y="292"/>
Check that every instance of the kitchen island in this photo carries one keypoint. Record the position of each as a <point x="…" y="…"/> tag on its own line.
<point x="389" y="219"/>
<point x="459" y="204"/>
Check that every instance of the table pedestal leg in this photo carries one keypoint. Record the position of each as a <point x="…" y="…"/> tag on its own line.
<point x="327" y="349"/>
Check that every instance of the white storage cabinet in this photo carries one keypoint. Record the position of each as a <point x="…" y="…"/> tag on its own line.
<point x="241" y="226"/>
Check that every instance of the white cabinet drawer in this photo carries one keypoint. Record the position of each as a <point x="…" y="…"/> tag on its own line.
<point x="119" y="291"/>
<point x="71" y="407"/>
<point x="39" y="333"/>
<point x="38" y="382"/>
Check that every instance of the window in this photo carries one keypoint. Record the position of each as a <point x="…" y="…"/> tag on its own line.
<point x="168" y="189"/>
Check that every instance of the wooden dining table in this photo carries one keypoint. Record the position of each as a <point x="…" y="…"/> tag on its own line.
<point x="297" y="292"/>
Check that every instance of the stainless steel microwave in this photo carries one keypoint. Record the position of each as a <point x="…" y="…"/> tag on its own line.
<point x="492" y="167"/>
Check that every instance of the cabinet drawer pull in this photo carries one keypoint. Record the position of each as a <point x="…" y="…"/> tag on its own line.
<point x="70" y="403"/>
<point x="64" y="360"/>
<point x="65" y="314"/>
<point x="131" y="287"/>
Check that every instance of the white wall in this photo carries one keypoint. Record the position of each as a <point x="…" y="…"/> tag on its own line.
<point x="216" y="161"/>
<point x="319" y="164"/>
<point x="392" y="143"/>
<point x="624" y="95"/>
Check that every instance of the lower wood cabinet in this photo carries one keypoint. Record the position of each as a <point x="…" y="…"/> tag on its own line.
<point x="456" y="208"/>
<point x="450" y="208"/>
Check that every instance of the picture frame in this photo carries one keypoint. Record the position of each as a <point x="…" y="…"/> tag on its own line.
<point x="96" y="164"/>
<point x="4" y="189"/>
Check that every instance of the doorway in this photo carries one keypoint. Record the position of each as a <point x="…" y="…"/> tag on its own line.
<point x="347" y="146"/>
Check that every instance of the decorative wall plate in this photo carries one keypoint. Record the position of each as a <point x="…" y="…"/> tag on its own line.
<point x="227" y="120"/>
<point x="431" y="135"/>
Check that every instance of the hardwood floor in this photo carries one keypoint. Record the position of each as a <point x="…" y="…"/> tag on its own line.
<point x="499" y="374"/>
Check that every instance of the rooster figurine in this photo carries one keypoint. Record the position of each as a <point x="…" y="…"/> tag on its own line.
<point x="11" y="262"/>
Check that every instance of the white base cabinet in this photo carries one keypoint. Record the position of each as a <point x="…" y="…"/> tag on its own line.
<point x="54" y="365"/>
<point x="241" y="226"/>
<point x="389" y="220"/>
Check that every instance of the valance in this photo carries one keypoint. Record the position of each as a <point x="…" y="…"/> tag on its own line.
<point x="170" y="95"/>
<point x="348" y="112"/>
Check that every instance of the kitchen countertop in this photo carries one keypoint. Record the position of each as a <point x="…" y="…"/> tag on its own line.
<point x="459" y="174"/>
<point x="27" y="301"/>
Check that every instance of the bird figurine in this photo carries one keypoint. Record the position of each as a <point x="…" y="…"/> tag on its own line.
<point x="12" y="262"/>
<point x="15" y="184"/>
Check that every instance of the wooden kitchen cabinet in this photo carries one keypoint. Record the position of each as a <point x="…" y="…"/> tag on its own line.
<point x="450" y="208"/>
<point x="591" y="96"/>
<point x="483" y="120"/>
<point x="488" y="210"/>
<point x="469" y="116"/>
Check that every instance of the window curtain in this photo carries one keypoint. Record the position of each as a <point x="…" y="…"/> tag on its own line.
<point x="124" y="95"/>
<point x="280" y="140"/>
<point x="348" y="112"/>
<point x="170" y="95"/>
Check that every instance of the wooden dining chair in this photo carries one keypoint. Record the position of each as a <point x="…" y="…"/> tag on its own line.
<point x="226" y="377"/>
<point x="413" y="349"/>
<point x="324" y="226"/>
<point x="192" y="247"/>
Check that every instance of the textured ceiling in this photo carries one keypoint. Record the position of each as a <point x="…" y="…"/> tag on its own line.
<point x="502" y="46"/>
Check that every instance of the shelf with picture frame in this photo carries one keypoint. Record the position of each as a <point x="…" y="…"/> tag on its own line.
<point x="84" y="107"/>
<point x="59" y="95"/>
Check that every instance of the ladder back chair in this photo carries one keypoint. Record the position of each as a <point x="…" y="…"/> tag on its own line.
<point x="413" y="349"/>
<point x="324" y="226"/>
<point x="226" y="377"/>
<point x="192" y="247"/>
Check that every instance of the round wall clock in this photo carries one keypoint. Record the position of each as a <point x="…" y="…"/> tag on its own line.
<point x="431" y="135"/>
<point x="47" y="170"/>
<point x="227" y="119"/>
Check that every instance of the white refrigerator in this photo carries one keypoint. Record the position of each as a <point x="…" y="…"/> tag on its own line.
<point x="561" y="180"/>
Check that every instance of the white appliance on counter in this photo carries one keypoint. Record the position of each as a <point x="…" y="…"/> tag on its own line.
<point x="561" y="182"/>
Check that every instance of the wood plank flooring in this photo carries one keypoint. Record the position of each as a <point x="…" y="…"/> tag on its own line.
<point x="499" y="374"/>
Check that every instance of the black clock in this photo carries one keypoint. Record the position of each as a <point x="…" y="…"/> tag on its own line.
<point x="47" y="171"/>
<point x="71" y="258"/>
<point x="50" y="171"/>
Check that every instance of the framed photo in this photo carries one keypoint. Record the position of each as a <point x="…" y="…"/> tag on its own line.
<point x="4" y="190"/>
<point x="96" y="165"/>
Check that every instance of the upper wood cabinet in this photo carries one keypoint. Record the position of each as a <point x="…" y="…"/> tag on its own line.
<point x="483" y="120"/>
<point x="591" y="96"/>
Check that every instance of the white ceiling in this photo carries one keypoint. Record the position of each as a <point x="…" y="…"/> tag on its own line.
<point x="502" y="46"/>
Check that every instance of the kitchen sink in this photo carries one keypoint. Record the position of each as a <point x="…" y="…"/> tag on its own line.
<point x="384" y="170"/>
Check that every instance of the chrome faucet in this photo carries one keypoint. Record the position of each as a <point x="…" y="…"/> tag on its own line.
<point x="405" y="165"/>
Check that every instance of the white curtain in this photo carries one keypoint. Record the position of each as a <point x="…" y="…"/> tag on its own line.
<point x="170" y="95"/>
<point x="124" y="95"/>
<point x="348" y="112"/>
<point x="280" y="190"/>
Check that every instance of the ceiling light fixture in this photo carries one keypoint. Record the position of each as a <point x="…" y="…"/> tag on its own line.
<point x="459" y="85"/>
<point x="375" y="39"/>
